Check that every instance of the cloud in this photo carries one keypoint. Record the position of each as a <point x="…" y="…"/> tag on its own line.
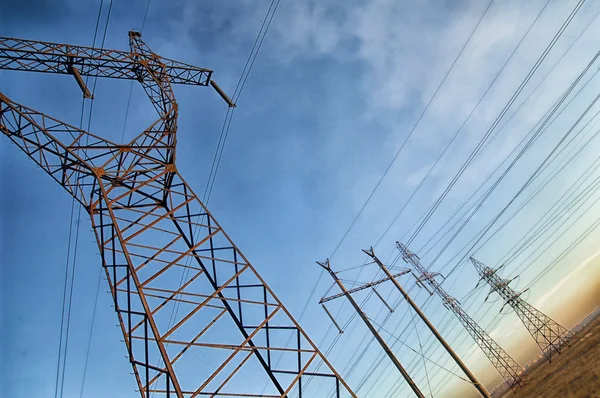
<point x="552" y="292"/>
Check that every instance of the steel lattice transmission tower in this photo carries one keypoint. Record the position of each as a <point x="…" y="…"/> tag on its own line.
<point x="509" y="368"/>
<point x="548" y="334"/>
<point x="197" y="318"/>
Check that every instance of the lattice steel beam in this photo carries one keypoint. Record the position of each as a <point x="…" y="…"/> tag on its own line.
<point x="197" y="318"/>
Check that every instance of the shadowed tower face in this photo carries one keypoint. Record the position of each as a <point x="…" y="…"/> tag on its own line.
<point x="549" y="335"/>
<point x="196" y="317"/>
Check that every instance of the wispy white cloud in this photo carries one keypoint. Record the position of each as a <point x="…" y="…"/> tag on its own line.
<point x="540" y="303"/>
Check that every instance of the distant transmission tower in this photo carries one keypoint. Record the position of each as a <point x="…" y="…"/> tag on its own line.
<point x="548" y="334"/>
<point x="506" y="366"/>
<point x="197" y="318"/>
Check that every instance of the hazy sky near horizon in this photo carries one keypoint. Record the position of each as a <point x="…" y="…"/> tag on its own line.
<point x="335" y="91"/>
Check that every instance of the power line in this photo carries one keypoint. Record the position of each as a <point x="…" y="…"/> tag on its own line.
<point x="66" y="306"/>
<point x="539" y="131"/>
<point x="258" y="42"/>
<point x="411" y="132"/>
<point x="572" y="157"/>
<point x="92" y="324"/>
<point x="504" y="110"/>
<point x="468" y="117"/>
<point x="499" y="118"/>
<point x="420" y="250"/>
<point x="131" y="84"/>
<point x="314" y="288"/>
<point x="462" y="300"/>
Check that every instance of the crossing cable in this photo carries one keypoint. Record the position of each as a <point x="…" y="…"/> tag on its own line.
<point x="503" y="162"/>
<point x="419" y="354"/>
<point x="559" y="258"/>
<point x="556" y="260"/>
<point x="66" y="305"/>
<point x="392" y="392"/>
<point x="422" y="248"/>
<point x="349" y="369"/>
<point x="516" y="251"/>
<point x="314" y="288"/>
<point x="539" y="61"/>
<point x="90" y="334"/>
<point x="430" y="342"/>
<point x="258" y="42"/>
<point x="380" y="357"/>
<point x="330" y="348"/>
<point x="536" y="172"/>
<point x="266" y="23"/>
<point x="462" y="300"/>
<point x="131" y="84"/>
<point x="499" y="117"/>
<point x="378" y="361"/>
<point x="467" y="298"/>
<point x="414" y="324"/>
<point x="502" y="113"/>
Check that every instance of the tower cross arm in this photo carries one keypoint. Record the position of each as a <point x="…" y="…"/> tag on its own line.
<point x="40" y="56"/>
<point x="363" y="287"/>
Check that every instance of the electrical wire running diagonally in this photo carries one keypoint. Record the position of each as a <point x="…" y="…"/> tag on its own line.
<point x="523" y="84"/>
<point x="65" y="324"/>
<point x="416" y="124"/>
<point x="142" y="213"/>
<point x="498" y="119"/>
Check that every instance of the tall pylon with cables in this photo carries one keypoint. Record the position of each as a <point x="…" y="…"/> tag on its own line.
<point x="507" y="367"/>
<point x="549" y="335"/>
<point x="196" y="317"/>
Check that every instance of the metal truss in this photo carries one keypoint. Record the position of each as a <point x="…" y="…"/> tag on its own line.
<point x="196" y="317"/>
<point x="365" y="286"/>
<point x="507" y="367"/>
<point x="548" y="334"/>
<point x="39" y="56"/>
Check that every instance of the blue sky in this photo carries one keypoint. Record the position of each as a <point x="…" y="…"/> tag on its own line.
<point x="332" y="96"/>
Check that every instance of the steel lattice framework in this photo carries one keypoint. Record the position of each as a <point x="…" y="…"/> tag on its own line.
<point x="197" y="318"/>
<point x="509" y="368"/>
<point x="548" y="334"/>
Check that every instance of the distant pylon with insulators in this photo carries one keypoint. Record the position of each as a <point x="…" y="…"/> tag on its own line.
<point x="549" y="335"/>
